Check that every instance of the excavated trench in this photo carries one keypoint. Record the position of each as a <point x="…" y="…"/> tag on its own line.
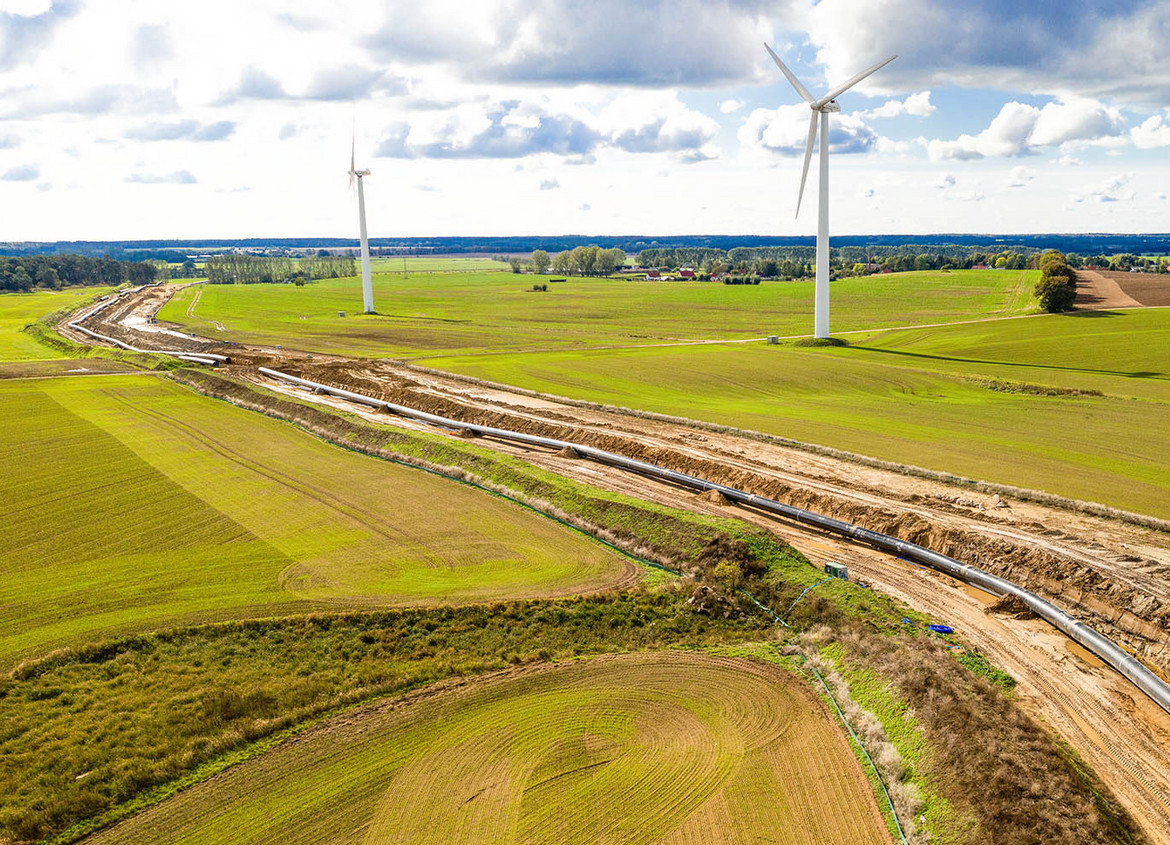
<point x="1135" y="618"/>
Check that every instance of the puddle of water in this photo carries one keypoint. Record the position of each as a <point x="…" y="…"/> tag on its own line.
<point x="979" y="595"/>
<point x="1078" y="650"/>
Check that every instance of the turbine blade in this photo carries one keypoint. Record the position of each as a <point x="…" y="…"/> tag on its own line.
<point x="841" y="89"/>
<point x="352" y="158"/>
<point x="812" y="136"/>
<point x="800" y="89"/>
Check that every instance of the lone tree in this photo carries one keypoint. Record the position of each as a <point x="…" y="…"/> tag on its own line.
<point x="1057" y="289"/>
<point x="540" y="260"/>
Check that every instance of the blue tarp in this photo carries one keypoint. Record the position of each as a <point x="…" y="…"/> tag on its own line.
<point x="941" y="629"/>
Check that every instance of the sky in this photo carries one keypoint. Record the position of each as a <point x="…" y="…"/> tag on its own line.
<point x="142" y="119"/>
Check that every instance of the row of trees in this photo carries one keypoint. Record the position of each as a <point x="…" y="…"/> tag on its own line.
<point x="243" y="269"/>
<point x="1057" y="289"/>
<point x="51" y="272"/>
<point x="798" y="262"/>
<point x="581" y="261"/>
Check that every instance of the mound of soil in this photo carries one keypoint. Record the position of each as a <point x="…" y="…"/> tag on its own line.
<point x="1012" y="606"/>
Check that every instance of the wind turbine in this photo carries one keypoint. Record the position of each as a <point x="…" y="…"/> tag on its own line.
<point x="354" y="173"/>
<point x="825" y="106"/>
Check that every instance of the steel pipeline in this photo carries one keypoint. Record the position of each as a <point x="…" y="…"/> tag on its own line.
<point x="1126" y="664"/>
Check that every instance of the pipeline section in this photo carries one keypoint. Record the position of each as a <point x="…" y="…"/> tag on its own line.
<point x="1111" y="653"/>
<point x="192" y="357"/>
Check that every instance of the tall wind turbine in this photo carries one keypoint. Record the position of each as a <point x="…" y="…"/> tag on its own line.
<point x="823" y="107"/>
<point x="354" y="173"/>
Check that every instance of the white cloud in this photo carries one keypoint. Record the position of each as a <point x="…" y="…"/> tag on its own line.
<point x="1076" y="119"/>
<point x="1020" y="129"/>
<point x="784" y="131"/>
<point x="917" y="105"/>
<point x="1115" y="188"/>
<point x="634" y="122"/>
<point x="1020" y="177"/>
<point x="945" y="181"/>
<point x="1154" y="132"/>
<point x="653" y="121"/>
<point x="729" y="106"/>
<point x="549" y="184"/>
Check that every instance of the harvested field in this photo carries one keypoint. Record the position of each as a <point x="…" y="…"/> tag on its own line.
<point x="1096" y="292"/>
<point x="638" y="748"/>
<point x="137" y="503"/>
<point x="1149" y="289"/>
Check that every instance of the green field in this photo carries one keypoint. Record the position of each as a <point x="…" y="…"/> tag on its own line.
<point x="932" y="396"/>
<point x="136" y="503"/>
<point x="469" y="312"/>
<point x="641" y="748"/>
<point x="435" y="264"/>
<point x="19" y="309"/>
<point x="946" y="398"/>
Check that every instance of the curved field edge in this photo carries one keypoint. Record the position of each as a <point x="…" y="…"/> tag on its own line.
<point x="180" y="509"/>
<point x="635" y="748"/>
<point x="869" y="624"/>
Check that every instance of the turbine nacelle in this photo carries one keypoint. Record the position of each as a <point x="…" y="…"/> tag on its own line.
<point x="825" y="105"/>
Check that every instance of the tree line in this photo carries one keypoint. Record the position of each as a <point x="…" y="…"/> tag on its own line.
<point x="799" y="261"/>
<point x="581" y="261"/>
<point x="52" y="272"/>
<point x="243" y="269"/>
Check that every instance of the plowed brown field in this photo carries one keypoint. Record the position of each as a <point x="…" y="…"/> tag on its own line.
<point x="1148" y="289"/>
<point x="667" y="747"/>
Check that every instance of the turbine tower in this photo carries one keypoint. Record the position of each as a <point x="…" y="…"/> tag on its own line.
<point x="367" y="287"/>
<point x="823" y="107"/>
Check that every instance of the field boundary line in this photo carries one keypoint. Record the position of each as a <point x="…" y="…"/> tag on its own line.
<point x="873" y="766"/>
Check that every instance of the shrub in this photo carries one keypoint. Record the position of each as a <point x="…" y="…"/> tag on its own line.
<point x="1055" y="294"/>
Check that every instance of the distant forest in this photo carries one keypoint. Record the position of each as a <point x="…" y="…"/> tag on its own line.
<point x="177" y="251"/>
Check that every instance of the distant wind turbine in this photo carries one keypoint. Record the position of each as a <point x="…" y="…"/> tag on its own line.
<point x="354" y="173"/>
<point x="824" y="107"/>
